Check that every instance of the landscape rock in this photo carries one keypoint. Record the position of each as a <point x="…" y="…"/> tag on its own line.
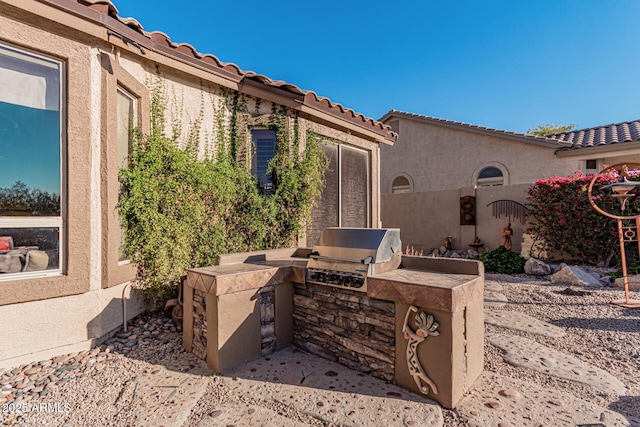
<point x="535" y="267"/>
<point x="634" y="282"/>
<point x="605" y="280"/>
<point x="575" y="276"/>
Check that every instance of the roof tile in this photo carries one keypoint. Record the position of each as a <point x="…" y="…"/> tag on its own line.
<point x="532" y="138"/>
<point x="310" y="98"/>
<point x="614" y="133"/>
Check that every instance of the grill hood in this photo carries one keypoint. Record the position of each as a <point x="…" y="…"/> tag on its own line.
<point x="358" y="244"/>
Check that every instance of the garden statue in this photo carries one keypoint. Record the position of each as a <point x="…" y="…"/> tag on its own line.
<point x="447" y="243"/>
<point x="507" y="232"/>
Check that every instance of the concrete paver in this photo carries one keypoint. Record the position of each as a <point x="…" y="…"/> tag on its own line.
<point x="492" y="286"/>
<point x="501" y="401"/>
<point x="166" y="396"/>
<point x="331" y="392"/>
<point x="245" y="415"/>
<point x="522" y="322"/>
<point x="494" y="300"/>
<point x="529" y="354"/>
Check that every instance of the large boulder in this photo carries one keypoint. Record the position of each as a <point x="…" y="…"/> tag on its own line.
<point x="535" y="267"/>
<point x="634" y="282"/>
<point x="575" y="276"/>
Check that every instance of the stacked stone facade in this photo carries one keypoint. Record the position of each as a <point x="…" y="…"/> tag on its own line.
<point x="267" y="320"/>
<point x="199" y="325"/>
<point x="346" y="327"/>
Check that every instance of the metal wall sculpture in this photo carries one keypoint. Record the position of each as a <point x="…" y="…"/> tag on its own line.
<point x="510" y="208"/>
<point x="467" y="210"/>
<point x="426" y="326"/>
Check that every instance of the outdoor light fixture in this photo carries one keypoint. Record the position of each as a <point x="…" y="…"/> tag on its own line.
<point x="628" y="225"/>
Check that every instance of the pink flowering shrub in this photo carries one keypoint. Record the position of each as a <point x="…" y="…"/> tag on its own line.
<point x="561" y="216"/>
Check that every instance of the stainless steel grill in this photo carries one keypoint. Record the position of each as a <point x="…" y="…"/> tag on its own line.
<point x="345" y="257"/>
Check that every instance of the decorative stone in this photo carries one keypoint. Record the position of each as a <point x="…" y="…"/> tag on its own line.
<point x="510" y="392"/>
<point x="535" y="267"/>
<point x="634" y="282"/>
<point x="575" y="276"/>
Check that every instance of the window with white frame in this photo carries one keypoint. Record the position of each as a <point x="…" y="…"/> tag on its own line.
<point x="345" y="199"/>
<point x="400" y="185"/>
<point x="490" y="176"/>
<point x="31" y="179"/>
<point x="126" y="114"/>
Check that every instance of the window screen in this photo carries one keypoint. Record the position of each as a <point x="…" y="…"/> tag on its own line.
<point x="265" y="146"/>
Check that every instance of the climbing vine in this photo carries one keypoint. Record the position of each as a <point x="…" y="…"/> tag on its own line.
<point x="180" y="212"/>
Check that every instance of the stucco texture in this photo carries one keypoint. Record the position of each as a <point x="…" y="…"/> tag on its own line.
<point x="441" y="158"/>
<point x="49" y="315"/>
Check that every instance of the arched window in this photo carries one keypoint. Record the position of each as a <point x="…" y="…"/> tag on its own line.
<point x="490" y="176"/>
<point x="401" y="184"/>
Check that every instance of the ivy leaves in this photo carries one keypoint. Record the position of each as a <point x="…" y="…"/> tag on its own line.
<point x="180" y="212"/>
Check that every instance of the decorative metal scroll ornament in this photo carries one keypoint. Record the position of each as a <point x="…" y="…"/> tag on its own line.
<point x="427" y="326"/>
<point x="510" y="208"/>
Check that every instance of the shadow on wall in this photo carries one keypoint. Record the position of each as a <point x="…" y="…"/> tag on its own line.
<point x="110" y="318"/>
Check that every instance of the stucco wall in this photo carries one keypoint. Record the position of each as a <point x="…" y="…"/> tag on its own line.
<point x="39" y="330"/>
<point x="426" y="218"/>
<point x="43" y="317"/>
<point x="439" y="158"/>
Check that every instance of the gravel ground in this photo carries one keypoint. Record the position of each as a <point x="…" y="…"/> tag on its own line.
<point x="98" y="387"/>
<point x="598" y="332"/>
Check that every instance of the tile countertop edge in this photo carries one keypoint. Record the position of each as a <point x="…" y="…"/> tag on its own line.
<point x="459" y="296"/>
<point x="253" y="277"/>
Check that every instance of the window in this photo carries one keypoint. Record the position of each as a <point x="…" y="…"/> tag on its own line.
<point x="126" y="118"/>
<point x="31" y="182"/>
<point x="401" y="184"/>
<point x="591" y="166"/>
<point x="345" y="200"/>
<point x="490" y="176"/>
<point x="264" y="141"/>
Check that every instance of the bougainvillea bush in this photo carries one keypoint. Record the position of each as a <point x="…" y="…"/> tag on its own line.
<point x="561" y="216"/>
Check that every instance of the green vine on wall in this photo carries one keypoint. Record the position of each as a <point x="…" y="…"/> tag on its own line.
<point x="180" y="212"/>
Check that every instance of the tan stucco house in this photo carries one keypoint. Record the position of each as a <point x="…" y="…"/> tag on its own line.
<point x="74" y="79"/>
<point x="437" y="162"/>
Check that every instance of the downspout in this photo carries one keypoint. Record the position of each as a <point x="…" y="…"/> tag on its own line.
<point x="124" y="306"/>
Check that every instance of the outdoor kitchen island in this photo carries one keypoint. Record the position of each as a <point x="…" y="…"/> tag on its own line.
<point x="420" y="325"/>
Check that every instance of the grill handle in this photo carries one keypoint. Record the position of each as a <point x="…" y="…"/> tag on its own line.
<point x="315" y="255"/>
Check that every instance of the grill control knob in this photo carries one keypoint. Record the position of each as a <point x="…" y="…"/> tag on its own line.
<point x="358" y="282"/>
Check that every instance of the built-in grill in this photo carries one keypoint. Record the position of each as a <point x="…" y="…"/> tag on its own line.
<point x="345" y="257"/>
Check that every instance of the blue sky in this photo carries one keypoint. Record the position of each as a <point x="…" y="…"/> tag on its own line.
<point x="505" y="64"/>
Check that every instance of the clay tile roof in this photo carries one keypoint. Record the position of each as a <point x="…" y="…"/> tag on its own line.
<point x="541" y="140"/>
<point x="103" y="6"/>
<point x="601" y="135"/>
<point x="188" y="53"/>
